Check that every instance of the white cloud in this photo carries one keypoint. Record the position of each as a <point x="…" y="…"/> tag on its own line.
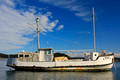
<point x="82" y="14"/>
<point x="46" y="24"/>
<point x="71" y="5"/>
<point x="14" y="25"/>
<point x="7" y="2"/>
<point x="60" y="27"/>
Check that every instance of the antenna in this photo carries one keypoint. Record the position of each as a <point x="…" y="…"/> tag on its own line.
<point x="94" y="29"/>
<point x="37" y="21"/>
<point x="32" y="26"/>
<point x="38" y="31"/>
<point x="47" y="44"/>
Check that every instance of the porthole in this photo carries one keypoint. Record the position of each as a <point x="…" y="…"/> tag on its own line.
<point x="20" y="55"/>
<point x="95" y="54"/>
<point x="26" y="55"/>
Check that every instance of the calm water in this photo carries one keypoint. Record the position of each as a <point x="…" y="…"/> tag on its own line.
<point x="7" y="74"/>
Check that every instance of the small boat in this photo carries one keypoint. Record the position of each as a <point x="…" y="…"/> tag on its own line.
<point x="45" y="60"/>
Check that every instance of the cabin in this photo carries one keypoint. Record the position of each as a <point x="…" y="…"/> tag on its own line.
<point x="43" y="54"/>
<point x="91" y="56"/>
<point x="28" y="56"/>
<point x="94" y="55"/>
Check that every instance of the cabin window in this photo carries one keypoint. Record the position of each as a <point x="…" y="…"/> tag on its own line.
<point x="20" y="55"/>
<point x="45" y="51"/>
<point x="49" y="51"/>
<point x="26" y="55"/>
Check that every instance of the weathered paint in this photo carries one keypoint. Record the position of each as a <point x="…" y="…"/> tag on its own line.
<point x="55" y="69"/>
<point x="32" y="56"/>
<point x="97" y="67"/>
<point x="102" y="68"/>
<point x="61" y="68"/>
<point x="100" y="64"/>
<point x="78" y="68"/>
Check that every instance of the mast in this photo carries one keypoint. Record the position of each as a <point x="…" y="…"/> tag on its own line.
<point x="38" y="44"/>
<point x="94" y="29"/>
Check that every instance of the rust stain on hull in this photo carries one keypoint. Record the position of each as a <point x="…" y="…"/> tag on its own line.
<point x="73" y="68"/>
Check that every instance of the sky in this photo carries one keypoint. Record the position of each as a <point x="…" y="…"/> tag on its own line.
<point x="64" y="24"/>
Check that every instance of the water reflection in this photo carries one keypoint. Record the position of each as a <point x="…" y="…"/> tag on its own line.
<point x="22" y="75"/>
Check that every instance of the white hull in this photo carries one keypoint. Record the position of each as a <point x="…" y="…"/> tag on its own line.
<point x="101" y="64"/>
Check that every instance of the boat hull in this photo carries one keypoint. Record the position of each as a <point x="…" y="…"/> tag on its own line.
<point x="67" y="68"/>
<point x="61" y="66"/>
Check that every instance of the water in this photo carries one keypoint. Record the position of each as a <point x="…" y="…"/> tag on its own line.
<point x="7" y="73"/>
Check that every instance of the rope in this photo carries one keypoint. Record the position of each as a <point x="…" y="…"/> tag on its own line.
<point x="64" y="39"/>
<point x="101" y="30"/>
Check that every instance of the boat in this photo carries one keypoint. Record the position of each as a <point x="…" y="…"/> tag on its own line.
<point x="45" y="60"/>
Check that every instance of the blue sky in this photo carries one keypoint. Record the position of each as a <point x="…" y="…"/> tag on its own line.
<point x="65" y="24"/>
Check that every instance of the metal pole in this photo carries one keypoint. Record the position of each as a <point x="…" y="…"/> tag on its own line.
<point x="38" y="44"/>
<point x="47" y="44"/>
<point x="94" y="30"/>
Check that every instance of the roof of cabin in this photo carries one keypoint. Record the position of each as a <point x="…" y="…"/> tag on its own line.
<point x="27" y="53"/>
<point x="45" y="49"/>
